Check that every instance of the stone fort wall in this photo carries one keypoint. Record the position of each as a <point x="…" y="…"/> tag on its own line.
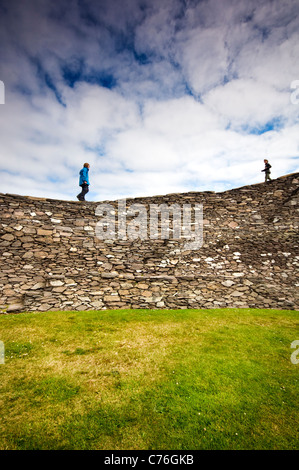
<point x="52" y="258"/>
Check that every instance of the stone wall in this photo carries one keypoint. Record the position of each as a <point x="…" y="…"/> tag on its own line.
<point x="51" y="258"/>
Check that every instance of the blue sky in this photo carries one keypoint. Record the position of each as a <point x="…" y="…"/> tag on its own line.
<point x="159" y="96"/>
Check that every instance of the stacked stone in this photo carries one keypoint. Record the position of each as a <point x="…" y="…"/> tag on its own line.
<point x="52" y="258"/>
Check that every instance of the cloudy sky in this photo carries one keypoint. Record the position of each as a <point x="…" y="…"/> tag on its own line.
<point x="159" y="96"/>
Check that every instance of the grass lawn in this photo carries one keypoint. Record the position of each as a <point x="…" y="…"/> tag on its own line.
<point x="149" y="380"/>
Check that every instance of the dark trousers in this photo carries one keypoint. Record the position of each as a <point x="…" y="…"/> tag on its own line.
<point x="84" y="191"/>
<point x="267" y="176"/>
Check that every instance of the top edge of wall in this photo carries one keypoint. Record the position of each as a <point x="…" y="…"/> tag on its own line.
<point x="246" y="187"/>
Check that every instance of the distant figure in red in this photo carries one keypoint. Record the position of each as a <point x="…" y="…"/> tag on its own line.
<point x="267" y="171"/>
<point x="84" y="181"/>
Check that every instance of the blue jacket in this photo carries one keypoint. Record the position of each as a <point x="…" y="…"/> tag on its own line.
<point x="83" y="176"/>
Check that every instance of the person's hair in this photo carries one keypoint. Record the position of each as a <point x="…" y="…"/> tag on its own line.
<point x="86" y="165"/>
<point x="266" y="160"/>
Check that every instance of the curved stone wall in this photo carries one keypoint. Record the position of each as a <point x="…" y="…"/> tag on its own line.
<point x="53" y="259"/>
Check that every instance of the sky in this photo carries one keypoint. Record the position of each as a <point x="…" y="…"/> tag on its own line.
<point x="158" y="96"/>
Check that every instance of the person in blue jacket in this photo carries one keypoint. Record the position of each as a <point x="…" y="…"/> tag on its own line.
<point x="84" y="181"/>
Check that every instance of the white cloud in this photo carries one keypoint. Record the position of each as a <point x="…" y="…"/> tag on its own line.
<point x="183" y="117"/>
<point x="247" y="102"/>
<point x="190" y="82"/>
<point x="204" y="58"/>
<point x="139" y="149"/>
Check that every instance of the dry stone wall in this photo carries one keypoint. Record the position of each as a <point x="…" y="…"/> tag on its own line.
<point x="52" y="258"/>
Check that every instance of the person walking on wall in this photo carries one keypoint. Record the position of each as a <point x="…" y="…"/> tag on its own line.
<point x="84" y="181"/>
<point x="267" y="171"/>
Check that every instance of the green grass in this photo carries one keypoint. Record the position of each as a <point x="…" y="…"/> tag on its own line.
<point x="149" y="379"/>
